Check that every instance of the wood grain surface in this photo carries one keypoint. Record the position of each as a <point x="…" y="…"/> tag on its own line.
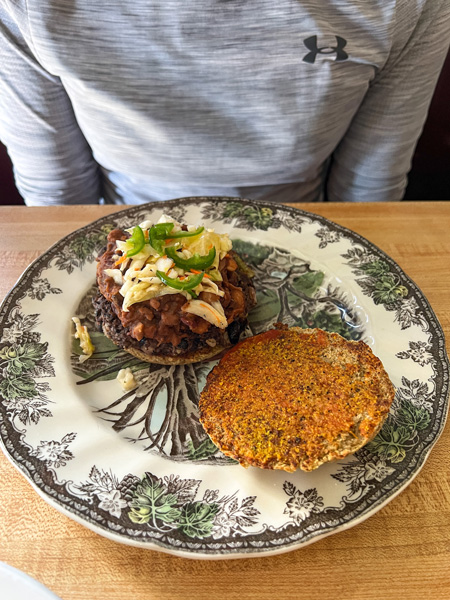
<point x="403" y="551"/>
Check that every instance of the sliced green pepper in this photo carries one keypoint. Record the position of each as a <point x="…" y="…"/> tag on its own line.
<point x="188" y="283"/>
<point x="162" y="231"/>
<point x="195" y="262"/>
<point x="137" y="239"/>
<point x="157" y="234"/>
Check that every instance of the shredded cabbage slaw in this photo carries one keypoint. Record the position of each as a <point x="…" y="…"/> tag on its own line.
<point x="150" y="272"/>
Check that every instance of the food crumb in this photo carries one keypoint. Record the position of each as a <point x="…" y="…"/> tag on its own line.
<point x="126" y="379"/>
<point x="82" y="334"/>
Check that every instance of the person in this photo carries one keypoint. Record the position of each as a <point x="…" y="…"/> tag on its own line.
<point x="130" y="102"/>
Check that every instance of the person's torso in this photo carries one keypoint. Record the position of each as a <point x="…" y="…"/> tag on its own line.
<point x="214" y="93"/>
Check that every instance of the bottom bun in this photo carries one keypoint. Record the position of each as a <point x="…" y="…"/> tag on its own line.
<point x="192" y="357"/>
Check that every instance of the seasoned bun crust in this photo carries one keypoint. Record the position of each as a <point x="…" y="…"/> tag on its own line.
<point x="294" y="399"/>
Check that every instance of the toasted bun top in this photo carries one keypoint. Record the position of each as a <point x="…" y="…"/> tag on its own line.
<point x="295" y="398"/>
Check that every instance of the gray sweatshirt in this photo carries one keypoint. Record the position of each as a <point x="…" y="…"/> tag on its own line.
<point x="287" y="100"/>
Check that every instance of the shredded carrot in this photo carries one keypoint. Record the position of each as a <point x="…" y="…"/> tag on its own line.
<point x="121" y="260"/>
<point x="146" y="234"/>
<point x="197" y="272"/>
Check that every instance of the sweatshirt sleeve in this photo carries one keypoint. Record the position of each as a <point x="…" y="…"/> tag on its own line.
<point x="52" y="161"/>
<point x="372" y="161"/>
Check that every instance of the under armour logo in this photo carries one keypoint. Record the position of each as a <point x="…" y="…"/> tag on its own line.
<point x="311" y="44"/>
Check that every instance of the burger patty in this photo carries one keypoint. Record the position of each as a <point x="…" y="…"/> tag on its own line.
<point x="108" y="322"/>
<point x="159" y="326"/>
<point x="293" y="398"/>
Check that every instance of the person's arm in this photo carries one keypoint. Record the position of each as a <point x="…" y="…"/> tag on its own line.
<point x="372" y="161"/>
<point x="52" y="161"/>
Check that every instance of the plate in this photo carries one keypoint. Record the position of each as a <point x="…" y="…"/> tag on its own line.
<point x="16" y="585"/>
<point x="137" y="466"/>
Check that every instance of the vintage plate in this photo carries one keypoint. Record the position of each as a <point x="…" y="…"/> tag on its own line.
<point x="137" y="467"/>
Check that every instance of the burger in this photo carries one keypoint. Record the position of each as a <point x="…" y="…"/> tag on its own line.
<point x="172" y="293"/>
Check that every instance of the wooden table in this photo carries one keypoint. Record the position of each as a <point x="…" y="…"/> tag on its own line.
<point x="403" y="551"/>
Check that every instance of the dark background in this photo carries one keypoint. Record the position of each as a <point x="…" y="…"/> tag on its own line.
<point x="429" y="178"/>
